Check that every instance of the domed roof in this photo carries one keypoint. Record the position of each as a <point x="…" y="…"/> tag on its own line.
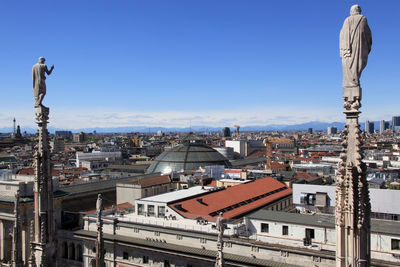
<point x="188" y="156"/>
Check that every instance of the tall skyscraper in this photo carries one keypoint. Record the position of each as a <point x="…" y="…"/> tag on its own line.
<point x="395" y="123"/>
<point x="226" y="132"/>
<point x="332" y="130"/>
<point x="369" y="127"/>
<point x="383" y="125"/>
<point x="387" y="125"/>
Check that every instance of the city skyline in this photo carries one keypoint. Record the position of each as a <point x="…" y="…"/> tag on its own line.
<point x="181" y="64"/>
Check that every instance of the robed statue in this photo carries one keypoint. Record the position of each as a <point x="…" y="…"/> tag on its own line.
<point x="355" y="45"/>
<point x="99" y="203"/>
<point x="39" y="80"/>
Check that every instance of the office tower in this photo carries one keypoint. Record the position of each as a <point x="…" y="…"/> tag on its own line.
<point x="332" y="130"/>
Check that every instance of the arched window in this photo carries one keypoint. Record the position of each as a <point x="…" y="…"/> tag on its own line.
<point x="79" y="253"/>
<point x="8" y="250"/>
<point x="71" y="251"/>
<point x="93" y="263"/>
<point x="64" y="250"/>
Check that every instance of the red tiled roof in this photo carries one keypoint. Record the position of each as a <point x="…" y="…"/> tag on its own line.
<point x="303" y="175"/>
<point x="276" y="165"/>
<point x="152" y="181"/>
<point x="234" y="199"/>
<point x="31" y="171"/>
<point x="213" y="183"/>
<point x="26" y="171"/>
<point x="256" y="154"/>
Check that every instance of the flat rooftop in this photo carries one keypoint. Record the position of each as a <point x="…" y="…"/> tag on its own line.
<point x="322" y="220"/>
<point x="179" y="194"/>
<point x="234" y="181"/>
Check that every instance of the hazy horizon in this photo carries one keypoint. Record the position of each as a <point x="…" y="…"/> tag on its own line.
<point x="180" y="63"/>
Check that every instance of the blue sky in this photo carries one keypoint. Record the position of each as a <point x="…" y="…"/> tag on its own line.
<point x="211" y="62"/>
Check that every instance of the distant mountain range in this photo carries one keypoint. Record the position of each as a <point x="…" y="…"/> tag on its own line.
<point x="316" y="125"/>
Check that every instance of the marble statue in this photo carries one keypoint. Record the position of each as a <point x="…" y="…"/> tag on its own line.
<point x="99" y="203"/>
<point x="39" y="80"/>
<point x="220" y="223"/>
<point x="100" y="240"/>
<point x="353" y="207"/>
<point x="355" y="45"/>
<point x="44" y="241"/>
<point x="220" y="241"/>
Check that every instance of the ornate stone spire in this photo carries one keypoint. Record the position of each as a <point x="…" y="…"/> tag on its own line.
<point x="32" y="260"/>
<point x="44" y="241"/>
<point x="100" y="240"/>
<point x="352" y="194"/>
<point x="16" y="248"/>
<point x="220" y="242"/>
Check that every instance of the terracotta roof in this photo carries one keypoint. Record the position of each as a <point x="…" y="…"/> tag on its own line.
<point x="257" y="154"/>
<point x="279" y="140"/>
<point x="277" y="166"/>
<point x="233" y="201"/>
<point x="26" y="171"/>
<point x="31" y="171"/>
<point x="152" y="181"/>
<point x="213" y="183"/>
<point x="304" y="175"/>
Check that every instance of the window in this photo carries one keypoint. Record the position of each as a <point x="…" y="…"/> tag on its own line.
<point x="308" y="199"/>
<point x="310" y="233"/>
<point x="150" y="210"/>
<point x="264" y="227"/>
<point x="179" y="237"/>
<point x="125" y="255"/>
<point x="145" y="259"/>
<point x="161" y="211"/>
<point x="395" y="244"/>
<point x="166" y="263"/>
<point x="64" y="250"/>
<point x="285" y="230"/>
<point x="140" y="209"/>
<point x="79" y="253"/>
<point x="156" y="233"/>
<point x="203" y="240"/>
<point x="71" y="251"/>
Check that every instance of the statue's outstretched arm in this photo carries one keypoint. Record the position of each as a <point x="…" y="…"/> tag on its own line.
<point x="49" y="71"/>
